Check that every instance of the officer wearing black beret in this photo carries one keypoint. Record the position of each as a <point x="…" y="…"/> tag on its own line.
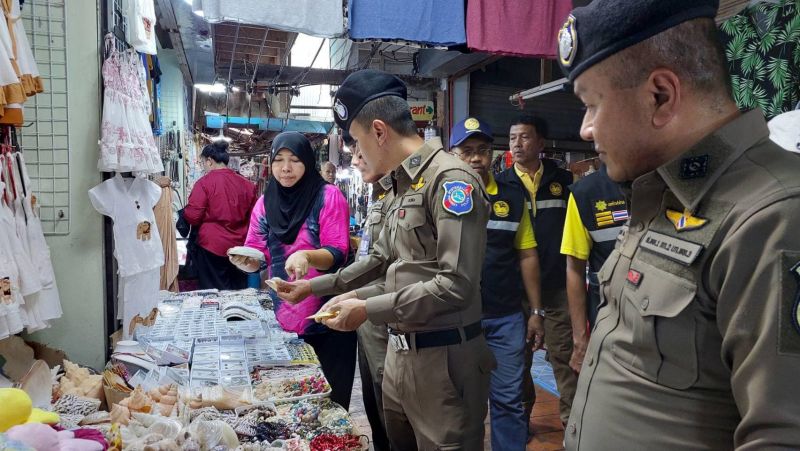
<point x="697" y="341"/>
<point x="431" y="250"/>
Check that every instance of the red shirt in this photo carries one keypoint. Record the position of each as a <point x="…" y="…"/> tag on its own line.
<point x="220" y="203"/>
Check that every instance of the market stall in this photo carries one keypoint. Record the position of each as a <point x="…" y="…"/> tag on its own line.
<point x="206" y="370"/>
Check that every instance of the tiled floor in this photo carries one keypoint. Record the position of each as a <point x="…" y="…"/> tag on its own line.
<point x="545" y="421"/>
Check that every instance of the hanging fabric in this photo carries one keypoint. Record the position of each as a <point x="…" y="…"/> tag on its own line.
<point x="762" y="45"/>
<point x="127" y="143"/>
<point x="432" y="22"/>
<point x="511" y="27"/>
<point x="320" y="18"/>
<point x="166" y="229"/>
<point x="142" y="26"/>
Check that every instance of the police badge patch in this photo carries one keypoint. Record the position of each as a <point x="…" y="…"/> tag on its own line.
<point x="340" y="110"/>
<point x="568" y="42"/>
<point x="789" y="333"/>
<point x="457" y="197"/>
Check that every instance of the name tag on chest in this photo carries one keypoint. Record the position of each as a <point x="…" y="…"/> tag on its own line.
<point x="681" y="251"/>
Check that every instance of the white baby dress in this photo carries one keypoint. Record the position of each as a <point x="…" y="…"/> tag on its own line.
<point x="126" y="143"/>
<point x="137" y="244"/>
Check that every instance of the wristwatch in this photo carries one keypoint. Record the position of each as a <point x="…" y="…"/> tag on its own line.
<point x="538" y="311"/>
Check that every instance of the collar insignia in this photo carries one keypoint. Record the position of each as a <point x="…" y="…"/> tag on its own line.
<point x="684" y="222"/>
<point x="694" y="167"/>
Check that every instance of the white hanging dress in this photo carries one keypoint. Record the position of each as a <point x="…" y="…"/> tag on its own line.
<point x="48" y="300"/>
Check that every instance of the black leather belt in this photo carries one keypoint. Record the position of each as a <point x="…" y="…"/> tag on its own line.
<point x="437" y="338"/>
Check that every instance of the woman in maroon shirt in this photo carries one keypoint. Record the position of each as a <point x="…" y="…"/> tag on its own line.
<point x="220" y="205"/>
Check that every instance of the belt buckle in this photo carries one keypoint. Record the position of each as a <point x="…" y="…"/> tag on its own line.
<point x="399" y="342"/>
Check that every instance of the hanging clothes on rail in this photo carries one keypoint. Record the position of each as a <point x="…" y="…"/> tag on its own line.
<point x="320" y="18"/>
<point x="432" y="22"/>
<point x="127" y="143"/>
<point x="516" y="28"/>
<point x="28" y="292"/>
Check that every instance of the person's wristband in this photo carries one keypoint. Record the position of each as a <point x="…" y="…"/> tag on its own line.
<point x="538" y="311"/>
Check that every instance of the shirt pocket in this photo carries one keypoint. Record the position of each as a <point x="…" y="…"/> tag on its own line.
<point x="412" y="234"/>
<point x="658" y="328"/>
<point x="375" y="218"/>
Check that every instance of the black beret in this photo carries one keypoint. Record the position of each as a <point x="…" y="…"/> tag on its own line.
<point x="593" y="33"/>
<point x="360" y="88"/>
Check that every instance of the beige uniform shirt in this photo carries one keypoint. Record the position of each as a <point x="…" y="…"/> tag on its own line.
<point x="697" y="344"/>
<point x="432" y="257"/>
<point x="373" y="338"/>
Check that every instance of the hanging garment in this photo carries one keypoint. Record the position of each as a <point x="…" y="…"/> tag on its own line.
<point x="138" y="295"/>
<point x="166" y="229"/>
<point x="47" y="300"/>
<point x="762" y="45"/>
<point x="12" y="91"/>
<point x="26" y="240"/>
<point x="27" y="70"/>
<point x="321" y="18"/>
<point x="127" y="143"/>
<point x="142" y="26"/>
<point x="12" y="316"/>
<point x="130" y="203"/>
<point x="433" y="22"/>
<point x="784" y="130"/>
<point x="517" y="28"/>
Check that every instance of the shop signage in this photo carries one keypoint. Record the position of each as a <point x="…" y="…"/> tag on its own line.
<point x="421" y="111"/>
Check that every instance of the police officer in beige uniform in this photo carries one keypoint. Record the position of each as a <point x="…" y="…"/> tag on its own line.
<point x="431" y="249"/>
<point x="373" y="339"/>
<point x="697" y="343"/>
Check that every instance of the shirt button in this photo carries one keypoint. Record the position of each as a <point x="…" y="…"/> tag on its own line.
<point x="573" y="429"/>
<point x="645" y="303"/>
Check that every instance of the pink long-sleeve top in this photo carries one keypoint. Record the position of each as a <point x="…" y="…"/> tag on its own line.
<point x="327" y="227"/>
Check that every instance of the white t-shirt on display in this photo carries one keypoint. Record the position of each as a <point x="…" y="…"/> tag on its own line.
<point x="137" y="244"/>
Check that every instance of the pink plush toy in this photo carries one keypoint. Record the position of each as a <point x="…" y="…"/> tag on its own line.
<point x="44" y="438"/>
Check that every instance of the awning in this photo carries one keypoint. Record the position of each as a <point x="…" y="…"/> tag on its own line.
<point x="271" y="124"/>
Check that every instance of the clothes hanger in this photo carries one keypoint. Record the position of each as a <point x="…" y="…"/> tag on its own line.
<point x="17" y="153"/>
